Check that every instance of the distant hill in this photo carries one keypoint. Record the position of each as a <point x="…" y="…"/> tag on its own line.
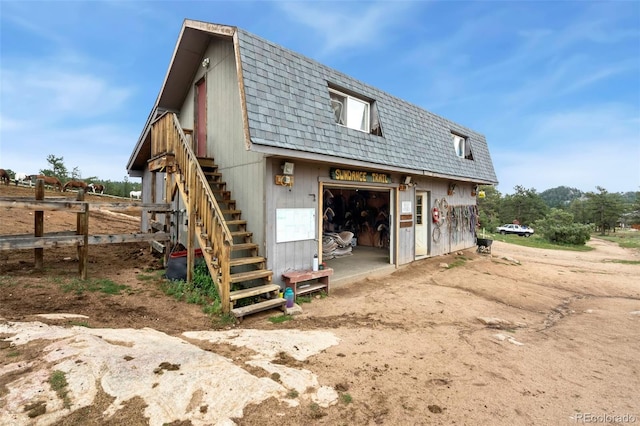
<point x="560" y="196"/>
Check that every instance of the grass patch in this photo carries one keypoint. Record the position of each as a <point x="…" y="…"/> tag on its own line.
<point x="101" y="285"/>
<point x="200" y="291"/>
<point x="315" y="412"/>
<point x="346" y="398"/>
<point x="7" y="281"/>
<point x="455" y="264"/>
<point x="58" y="383"/>
<point x="303" y="299"/>
<point x="292" y="394"/>
<point x="145" y="277"/>
<point x="13" y="354"/>
<point x="625" y="239"/>
<point x="280" y="319"/>
<point x="222" y="320"/>
<point x="626" y="262"/>
<point x="536" y="241"/>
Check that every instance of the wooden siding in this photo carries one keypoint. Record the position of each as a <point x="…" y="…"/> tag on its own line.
<point x="244" y="171"/>
<point x="450" y="240"/>
<point x="283" y="257"/>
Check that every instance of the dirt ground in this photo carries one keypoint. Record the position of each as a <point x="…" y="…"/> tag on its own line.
<point x="520" y="336"/>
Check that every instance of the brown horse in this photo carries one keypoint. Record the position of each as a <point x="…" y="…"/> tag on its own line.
<point x="96" y="187"/>
<point x="51" y="180"/>
<point x="4" y="177"/>
<point x="74" y="184"/>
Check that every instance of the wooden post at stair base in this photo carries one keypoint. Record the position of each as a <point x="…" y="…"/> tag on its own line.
<point x="82" y="228"/>
<point x="39" y="226"/>
<point x="191" y="226"/>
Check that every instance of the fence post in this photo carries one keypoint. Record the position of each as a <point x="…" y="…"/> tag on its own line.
<point x="82" y="228"/>
<point x="39" y="225"/>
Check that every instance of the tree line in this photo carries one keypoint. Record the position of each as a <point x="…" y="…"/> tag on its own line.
<point x="562" y="214"/>
<point x="58" y="169"/>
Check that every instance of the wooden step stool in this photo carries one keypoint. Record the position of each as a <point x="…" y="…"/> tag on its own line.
<point x="293" y="278"/>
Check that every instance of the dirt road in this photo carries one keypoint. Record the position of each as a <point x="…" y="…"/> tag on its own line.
<point x="524" y="336"/>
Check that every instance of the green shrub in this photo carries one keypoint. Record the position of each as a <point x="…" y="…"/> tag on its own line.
<point x="559" y="228"/>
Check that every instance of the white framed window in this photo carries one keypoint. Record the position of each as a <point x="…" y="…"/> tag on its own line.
<point x="462" y="147"/>
<point x="349" y="111"/>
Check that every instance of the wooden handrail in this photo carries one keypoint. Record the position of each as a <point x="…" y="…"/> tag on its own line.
<point x="168" y="137"/>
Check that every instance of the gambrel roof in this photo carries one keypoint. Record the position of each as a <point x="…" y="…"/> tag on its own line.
<point x="287" y="104"/>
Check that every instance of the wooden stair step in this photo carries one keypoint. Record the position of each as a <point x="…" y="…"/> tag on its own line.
<point x="225" y="194"/>
<point x="239" y="261"/>
<point x="241" y="233"/>
<point x="277" y="302"/>
<point x="244" y="246"/>
<point x="251" y="275"/>
<point x="236" y="222"/>
<point x="254" y="291"/>
<point x="232" y="211"/>
<point x="206" y="162"/>
<point x="217" y="182"/>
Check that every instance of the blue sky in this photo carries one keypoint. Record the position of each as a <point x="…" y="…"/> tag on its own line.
<point x="554" y="86"/>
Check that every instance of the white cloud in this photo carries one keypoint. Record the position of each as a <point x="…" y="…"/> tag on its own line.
<point x="53" y="105"/>
<point x="346" y="25"/>
<point x="50" y="90"/>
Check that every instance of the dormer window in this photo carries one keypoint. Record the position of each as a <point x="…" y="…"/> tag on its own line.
<point x="462" y="147"/>
<point x="350" y="111"/>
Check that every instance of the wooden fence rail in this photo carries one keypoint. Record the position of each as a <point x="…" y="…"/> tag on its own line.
<point x="80" y="238"/>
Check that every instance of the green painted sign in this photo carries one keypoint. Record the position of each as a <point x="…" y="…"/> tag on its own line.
<point x="359" y="176"/>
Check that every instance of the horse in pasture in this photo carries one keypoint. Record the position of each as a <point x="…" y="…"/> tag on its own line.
<point x="51" y="180"/>
<point x="21" y="177"/>
<point x="96" y="188"/>
<point x="135" y="194"/>
<point x="74" y="184"/>
<point x="4" y="177"/>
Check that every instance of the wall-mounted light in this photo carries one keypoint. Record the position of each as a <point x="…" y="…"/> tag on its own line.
<point x="284" y="180"/>
<point x="406" y="180"/>
<point x="474" y="190"/>
<point x="205" y="63"/>
<point x="287" y="168"/>
<point x="452" y="189"/>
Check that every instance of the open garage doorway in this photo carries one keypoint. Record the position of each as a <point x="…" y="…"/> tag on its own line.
<point x="357" y="230"/>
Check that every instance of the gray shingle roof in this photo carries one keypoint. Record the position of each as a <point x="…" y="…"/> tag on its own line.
<point x="288" y="107"/>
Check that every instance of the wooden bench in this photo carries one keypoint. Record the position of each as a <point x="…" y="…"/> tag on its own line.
<point x="293" y="279"/>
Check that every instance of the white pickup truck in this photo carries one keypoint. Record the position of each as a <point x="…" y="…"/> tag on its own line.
<point x="523" y="231"/>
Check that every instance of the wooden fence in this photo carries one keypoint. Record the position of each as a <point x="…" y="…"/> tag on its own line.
<point x="80" y="238"/>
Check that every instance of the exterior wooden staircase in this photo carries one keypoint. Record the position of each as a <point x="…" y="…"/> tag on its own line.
<point x="249" y="277"/>
<point x="233" y="259"/>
